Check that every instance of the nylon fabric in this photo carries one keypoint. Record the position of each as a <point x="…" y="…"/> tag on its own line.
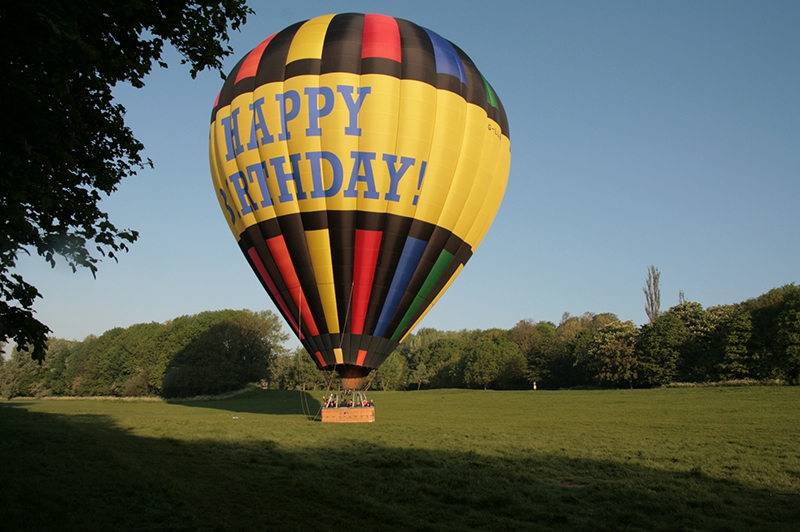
<point x="358" y="160"/>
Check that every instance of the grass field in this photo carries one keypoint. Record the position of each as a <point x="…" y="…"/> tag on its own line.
<point x="663" y="459"/>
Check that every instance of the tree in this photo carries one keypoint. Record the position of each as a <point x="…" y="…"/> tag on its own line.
<point x="393" y="373"/>
<point x="788" y="337"/>
<point x="543" y="348"/>
<point x="63" y="139"/>
<point x="232" y="353"/>
<point x="735" y="361"/>
<point x="441" y="359"/>
<point x="21" y="376"/>
<point x="494" y="359"/>
<point x="775" y="341"/>
<point x="524" y="334"/>
<point x="652" y="294"/>
<point x="660" y="346"/>
<point x="611" y="354"/>
<point x="297" y="371"/>
<point x="554" y="352"/>
<point x="419" y="340"/>
<point x="421" y="375"/>
<point x="221" y="347"/>
<point x="698" y="360"/>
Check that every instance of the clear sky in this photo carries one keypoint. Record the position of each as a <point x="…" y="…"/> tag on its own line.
<point x="663" y="133"/>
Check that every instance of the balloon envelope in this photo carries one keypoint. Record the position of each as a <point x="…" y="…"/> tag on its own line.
<point x="359" y="161"/>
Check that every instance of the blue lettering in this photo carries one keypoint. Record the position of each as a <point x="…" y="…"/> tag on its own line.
<point x="239" y="182"/>
<point x="315" y="158"/>
<point x="314" y="112"/>
<point x="259" y="125"/>
<point x="362" y="159"/>
<point x="259" y="170"/>
<point x="396" y="175"/>
<point x="287" y="114"/>
<point x="283" y="178"/>
<point x="231" y="127"/>
<point x="227" y="206"/>
<point x="353" y="106"/>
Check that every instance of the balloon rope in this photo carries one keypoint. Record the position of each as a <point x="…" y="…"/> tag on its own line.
<point x="369" y="383"/>
<point x="300" y="310"/>
<point x="307" y="407"/>
<point x="303" y="397"/>
<point x="346" y="315"/>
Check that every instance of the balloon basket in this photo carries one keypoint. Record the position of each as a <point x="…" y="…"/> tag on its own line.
<point x="351" y="408"/>
<point x="352" y="414"/>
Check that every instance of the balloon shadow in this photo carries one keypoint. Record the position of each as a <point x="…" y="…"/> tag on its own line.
<point x="257" y="401"/>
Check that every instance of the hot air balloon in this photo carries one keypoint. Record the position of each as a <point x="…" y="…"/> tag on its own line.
<point x="358" y="161"/>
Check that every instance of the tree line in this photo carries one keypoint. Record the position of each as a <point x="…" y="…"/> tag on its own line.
<point x="758" y="339"/>
<point x="215" y="352"/>
<point x="204" y="354"/>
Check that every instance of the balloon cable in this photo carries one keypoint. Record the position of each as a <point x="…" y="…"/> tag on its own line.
<point x="369" y="382"/>
<point x="303" y="396"/>
<point x="344" y="328"/>
<point x="299" y="311"/>
<point x="347" y="314"/>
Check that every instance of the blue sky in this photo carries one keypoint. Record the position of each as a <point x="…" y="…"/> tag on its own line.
<point x="663" y="133"/>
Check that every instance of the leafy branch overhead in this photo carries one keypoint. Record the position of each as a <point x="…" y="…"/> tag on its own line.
<point x="64" y="144"/>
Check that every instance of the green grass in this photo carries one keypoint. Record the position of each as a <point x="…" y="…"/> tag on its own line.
<point x="664" y="459"/>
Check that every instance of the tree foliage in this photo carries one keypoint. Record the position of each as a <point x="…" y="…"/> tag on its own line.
<point x="227" y="356"/>
<point x="552" y="358"/>
<point x="611" y="355"/>
<point x="660" y="348"/>
<point x="393" y="373"/>
<point x="652" y="294"/>
<point x="775" y="340"/>
<point x="297" y="371"/>
<point x="493" y="359"/>
<point x="440" y="360"/>
<point x="205" y="353"/>
<point x="734" y="361"/>
<point x="64" y="144"/>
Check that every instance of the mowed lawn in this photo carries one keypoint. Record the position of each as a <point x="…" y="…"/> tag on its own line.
<point x="663" y="459"/>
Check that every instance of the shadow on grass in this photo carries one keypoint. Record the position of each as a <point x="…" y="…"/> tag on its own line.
<point x="274" y="402"/>
<point x="82" y="472"/>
